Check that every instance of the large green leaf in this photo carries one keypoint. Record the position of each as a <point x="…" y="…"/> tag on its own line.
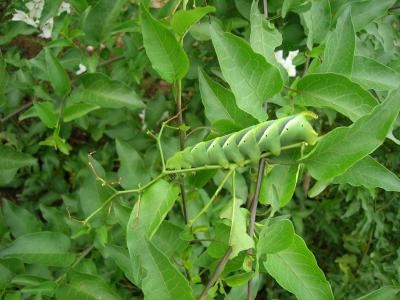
<point x="152" y="270"/>
<point x="389" y="292"/>
<point x="373" y="75"/>
<point x="154" y="205"/>
<point x="146" y="217"/>
<point x="275" y="237"/>
<point x="278" y="185"/>
<point x="13" y="215"/>
<point x="339" y="50"/>
<point x="182" y="20"/>
<point x="46" y="248"/>
<point x="264" y="37"/>
<point x="12" y="159"/>
<point x="251" y="78"/>
<point x="162" y="279"/>
<point x="341" y="148"/>
<point x="297" y="271"/>
<point x="364" y="12"/>
<point x="239" y="239"/>
<point x="337" y="92"/>
<point x="99" y="90"/>
<point x="317" y="21"/>
<point x="165" y="53"/>
<point x="57" y="75"/>
<point x="370" y="174"/>
<point x="47" y="114"/>
<point x="77" y="110"/>
<point x="86" y="287"/>
<point x="132" y="171"/>
<point x="100" y="20"/>
<point x="219" y="103"/>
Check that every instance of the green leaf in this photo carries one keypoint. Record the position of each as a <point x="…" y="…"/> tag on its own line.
<point x="337" y="92"/>
<point x="45" y="248"/>
<point x="387" y="292"/>
<point x="57" y="75"/>
<point x="264" y="37"/>
<point x="278" y="185"/>
<point x="6" y="176"/>
<point x="182" y="20"/>
<point x="294" y="5"/>
<point x="297" y="271"/>
<point x="373" y="75"/>
<point x="45" y="111"/>
<point x="165" y="53"/>
<point x="317" y="21"/>
<point x="50" y="9"/>
<point x="12" y="159"/>
<point x="86" y="287"/>
<point x="13" y="215"/>
<point x="101" y="19"/>
<point x="92" y="193"/>
<point x="99" y="90"/>
<point x="364" y="12"/>
<point x="250" y="77"/>
<point x="219" y="103"/>
<point x="120" y="256"/>
<point x="162" y="279"/>
<point x="168" y="239"/>
<point x="341" y="148"/>
<point x="370" y="174"/>
<point x="132" y="171"/>
<point x="239" y="239"/>
<point x="238" y="279"/>
<point x="155" y="203"/>
<point x="77" y="110"/>
<point x="339" y="50"/>
<point x="275" y="237"/>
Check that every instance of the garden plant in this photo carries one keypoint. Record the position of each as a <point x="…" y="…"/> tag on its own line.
<point x="193" y="149"/>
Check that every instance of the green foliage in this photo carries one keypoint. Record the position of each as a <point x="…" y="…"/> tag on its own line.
<point x="130" y="135"/>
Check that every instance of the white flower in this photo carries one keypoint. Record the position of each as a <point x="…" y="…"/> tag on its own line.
<point x="64" y="7"/>
<point x="47" y="28"/>
<point x="82" y="69"/>
<point x="22" y="16"/>
<point x="35" y="8"/>
<point x="288" y="62"/>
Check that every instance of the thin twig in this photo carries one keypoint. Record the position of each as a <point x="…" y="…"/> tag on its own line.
<point x="16" y="112"/>
<point x="81" y="256"/>
<point x="110" y="61"/>
<point x="253" y="212"/>
<point x="217" y="272"/>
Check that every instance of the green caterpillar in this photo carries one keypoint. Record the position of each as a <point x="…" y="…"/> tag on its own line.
<point x="247" y="144"/>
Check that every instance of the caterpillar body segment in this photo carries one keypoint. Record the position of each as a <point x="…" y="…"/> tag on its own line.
<point x="247" y="144"/>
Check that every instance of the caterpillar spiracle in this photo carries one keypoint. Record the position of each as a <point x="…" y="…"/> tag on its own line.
<point x="247" y="144"/>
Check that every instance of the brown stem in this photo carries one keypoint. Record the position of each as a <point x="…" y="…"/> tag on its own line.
<point x="217" y="272"/>
<point x="16" y="112"/>
<point x="253" y="211"/>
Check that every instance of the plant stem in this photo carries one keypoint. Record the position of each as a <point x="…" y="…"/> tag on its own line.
<point x="266" y="9"/>
<point x="253" y="211"/>
<point x="217" y="272"/>
<point x="191" y="222"/>
<point x="16" y="112"/>
<point x="182" y="137"/>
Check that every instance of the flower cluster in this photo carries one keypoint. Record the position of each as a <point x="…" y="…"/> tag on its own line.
<point x="287" y="62"/>
<point x="32" y="18"/>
